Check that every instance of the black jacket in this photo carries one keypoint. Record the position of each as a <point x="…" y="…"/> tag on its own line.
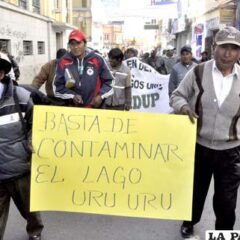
<point x="14" y="150"/>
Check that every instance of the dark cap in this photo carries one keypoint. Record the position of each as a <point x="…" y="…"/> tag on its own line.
<point x="228" y="35"/>
<point x="186" y="48"/>
<point x="5" y="64"/>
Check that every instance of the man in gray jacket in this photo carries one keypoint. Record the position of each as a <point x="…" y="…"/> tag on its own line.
<point x="15" y="150"/>
<point x="181" y="68"/>
<point x="210" y="93"/>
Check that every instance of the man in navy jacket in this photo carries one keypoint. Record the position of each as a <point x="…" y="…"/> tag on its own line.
<point x="82" y="77"/>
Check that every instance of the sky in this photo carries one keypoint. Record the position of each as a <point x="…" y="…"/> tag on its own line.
<point x="107" y="10"/>
<point x="134" y="13"/>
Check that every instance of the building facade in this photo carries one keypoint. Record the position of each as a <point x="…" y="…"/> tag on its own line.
<point x="199" y="21"/>
<point x="82" y="16"/>
<point x="33" y="30"/>
<point x="113" y="34"/>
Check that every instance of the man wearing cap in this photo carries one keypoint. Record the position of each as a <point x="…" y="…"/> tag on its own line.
<point x="82" y="77"/>
<point x="15" y="128"/>
<point x="210" y="93"/>
<point x="181" y="68"/>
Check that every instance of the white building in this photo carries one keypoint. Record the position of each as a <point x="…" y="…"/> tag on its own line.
<point x="30" y="37"/>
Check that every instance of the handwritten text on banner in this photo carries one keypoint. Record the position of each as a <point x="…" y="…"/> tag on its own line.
<point x="112" y="162"/>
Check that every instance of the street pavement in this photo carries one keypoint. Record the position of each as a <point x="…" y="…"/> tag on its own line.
<point x="77" y="226"/>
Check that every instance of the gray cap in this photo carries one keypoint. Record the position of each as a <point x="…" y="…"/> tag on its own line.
<point x="228" y="35"/>
<point x="186" y="48"/>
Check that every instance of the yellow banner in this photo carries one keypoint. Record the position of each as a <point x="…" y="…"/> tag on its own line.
<point x="112" y="162"/>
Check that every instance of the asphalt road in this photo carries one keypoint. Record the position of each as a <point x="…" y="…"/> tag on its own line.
<point x="77" y="226"/>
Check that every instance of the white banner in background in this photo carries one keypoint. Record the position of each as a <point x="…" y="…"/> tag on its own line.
<point x="149" y="88"/>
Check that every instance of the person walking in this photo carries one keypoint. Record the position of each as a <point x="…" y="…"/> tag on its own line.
<point x="204" y="56"/>
<point x="46" y="76"/>
<point x="130" y="53"/>
<point x="83" y="78"/>
<point x="47" y="73"/>
<point x="153" y="60"/>
<point x="122" y="97"/>
<point x="181" y="68"/>
<point x="168" y="60"/>
<point x="15" y="151"/>
<point x="210" y="93"/>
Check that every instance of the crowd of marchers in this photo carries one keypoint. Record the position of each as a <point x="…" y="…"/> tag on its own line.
<point x="206" y="90"/>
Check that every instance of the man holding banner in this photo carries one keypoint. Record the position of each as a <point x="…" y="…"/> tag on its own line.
<point x="210" y="92"/>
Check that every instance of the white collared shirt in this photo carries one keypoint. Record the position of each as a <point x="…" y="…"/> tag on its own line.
<point x="222" y="84"/>
<point x="1" y="89"/>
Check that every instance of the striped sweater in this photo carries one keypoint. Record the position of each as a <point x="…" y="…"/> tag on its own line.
<point x="218" y="127"/>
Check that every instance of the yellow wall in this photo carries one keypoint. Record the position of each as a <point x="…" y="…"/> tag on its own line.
<point x="82" y="16"/>
<point x="60" y="14"/>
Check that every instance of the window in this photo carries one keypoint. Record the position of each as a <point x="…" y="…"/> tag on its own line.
<point x="4" y="45"/>
<point x="27" y="47"/>
<point x="106" y="37"/>
<point x="153" y="21"/>
<point x="23" y="4"/>
<point x="36" y="6"/>
<point x="41" y="47"/>
<point x="84" y="3"/>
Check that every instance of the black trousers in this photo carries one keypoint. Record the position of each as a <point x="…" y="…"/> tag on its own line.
<point x="224" y="166"/>
<point x="19" y="190"/>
